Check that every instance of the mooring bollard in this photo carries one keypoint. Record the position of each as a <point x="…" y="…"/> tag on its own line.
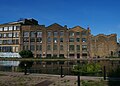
<point x="104" y="73"/>
<point x="61" y="72"/>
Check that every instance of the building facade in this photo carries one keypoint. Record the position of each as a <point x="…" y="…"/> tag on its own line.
<point x="55" y="40"/>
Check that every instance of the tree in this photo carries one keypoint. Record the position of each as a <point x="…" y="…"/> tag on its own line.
<point x="26" y="54"/>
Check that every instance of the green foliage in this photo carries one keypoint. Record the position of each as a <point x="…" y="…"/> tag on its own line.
<point x="28" y="64"/>
<point x="26" y="54"/>
<point x="87" y="69"/>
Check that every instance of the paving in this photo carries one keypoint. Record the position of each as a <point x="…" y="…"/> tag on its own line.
<point x="19" y="79"/>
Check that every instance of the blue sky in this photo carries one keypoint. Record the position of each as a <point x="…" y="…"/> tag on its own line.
<point x="102" y="16"/>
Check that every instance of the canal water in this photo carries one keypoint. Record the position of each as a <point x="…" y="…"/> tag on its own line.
<point x="43" y="67"/>
<point x="54" y="67"/>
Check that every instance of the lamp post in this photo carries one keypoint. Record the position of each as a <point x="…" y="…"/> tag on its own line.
<point x="61" y="73"/>
<point x="25" y="72"/>
<point x="104" y="73"/>
<point x="78" y="79"/>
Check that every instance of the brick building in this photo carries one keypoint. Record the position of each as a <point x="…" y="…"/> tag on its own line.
<point x="55" y="40"/>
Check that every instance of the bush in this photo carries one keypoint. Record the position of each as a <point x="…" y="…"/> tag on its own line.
<point x="87" y="69"/>
<point x="26" y="54"/>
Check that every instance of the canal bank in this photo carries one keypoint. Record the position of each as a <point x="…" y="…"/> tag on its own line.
<point x="19" y="79"/>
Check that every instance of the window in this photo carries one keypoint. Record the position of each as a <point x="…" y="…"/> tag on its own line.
<point x="77" y="33"/>
<point x="55" y="33"/>
<point x="26" y="34"/>
<point x="61" y="55"/>
<point x="17" y="41"/>
<point x="15" y="34"/>
<point x="39" y="47"/>
<point x="49" y="40"/>
<point x="9" y="41"/>
<point x="16" y="27"/>
<point x="78" y="47"/>
<point x="77" y="39"/>
<point x="9" y="34"/>
<point x="39" y="34"/>
<point x="71" y="33"/>
<point x="10" y="28"/>
<point x="61" y="39"/>
<point x="84" y="47"/>
<point x="4" y="41"/>
<point x="71" y="47"/>
<point x="5" y="35"/>
<point x="0" y="35"/>
<point x="55" y="47"/>
<point x="1" y="41"/>
<point x="32" y="47"/>
<point x="0" y="49"/>
<point x="1" y="29"/>
<point x="16" y="49"/>
<point x="25" y="40"/>
<point x="32" y="34"/>
<point x="61" y="47"/>
<point x="32" y="39"/>
<point x="5" y="28"/>
<point x="39" y="40"/>
<point x="61" y="33"/>
<point x="25" y="47"/>
<point x="48" y="33"/>
<point x="55" y="40"/>
<point x="83" y="33"/>
<point x="48" y="47"/>
<point x="84" y="40"/>
<point x="13" y="42"/>
<point x="71" y="39"/>
<point x="6" y="49"/>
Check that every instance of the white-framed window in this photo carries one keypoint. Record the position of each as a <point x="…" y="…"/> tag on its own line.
<point x="39" y="34"/>
<point x="5" y="28"/>
<point x="16" y="49"/>
<point x="71" y="33"/>
<point x="15" y="34"/>
<point x="1" y="28"/>
<point x="9" y="34"/>
<point x="16" y="27"/>
<point x="10" y="28"/>
<point x="5" y="35"/>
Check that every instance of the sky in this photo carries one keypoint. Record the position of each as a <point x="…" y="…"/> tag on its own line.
<point x="102" y="16"/>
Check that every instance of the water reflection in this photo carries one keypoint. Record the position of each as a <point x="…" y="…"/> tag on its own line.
<point x="9" y="63"/>
<point x="53" y="67"/>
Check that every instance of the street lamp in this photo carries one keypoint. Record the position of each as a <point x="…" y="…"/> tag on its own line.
<point x="25" y="72"/>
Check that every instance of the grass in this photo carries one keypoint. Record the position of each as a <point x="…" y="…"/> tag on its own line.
<point x="93" y="83"/>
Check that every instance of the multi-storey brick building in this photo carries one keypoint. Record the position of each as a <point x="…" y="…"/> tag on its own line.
<point x="55" y="40"/>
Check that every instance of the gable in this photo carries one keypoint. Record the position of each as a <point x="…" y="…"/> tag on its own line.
<point x="56" y="26"/>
